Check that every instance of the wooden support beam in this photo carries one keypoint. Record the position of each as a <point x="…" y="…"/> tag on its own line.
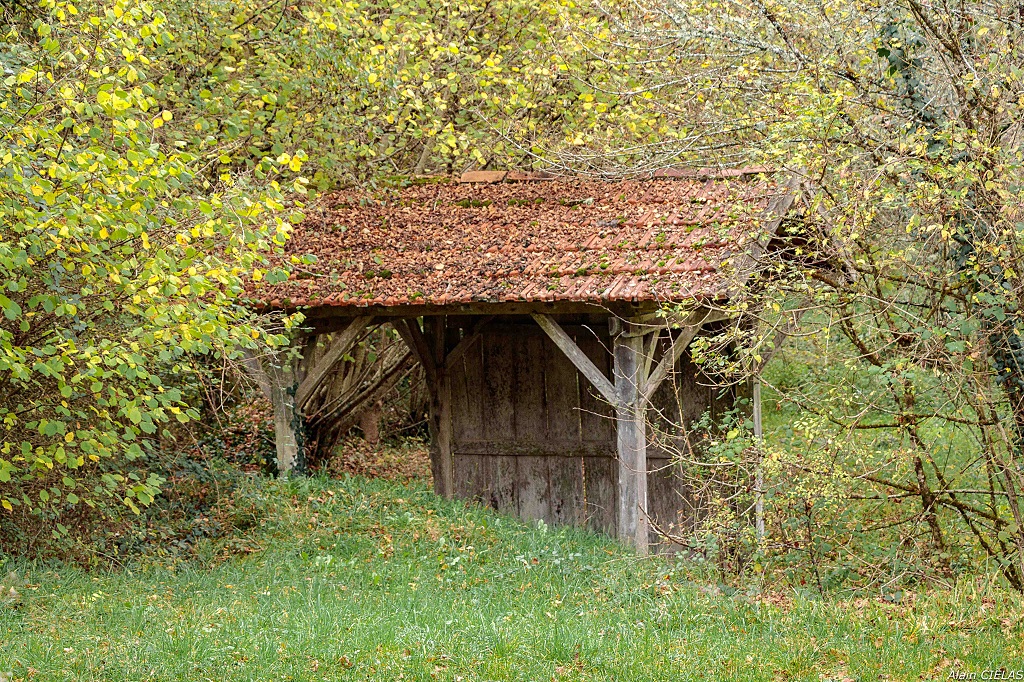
<point x="631" y="442"/>
<point x="431" y="354"/>
<point x="254" y="368"/>
<point x="670" y="318"/>
<point x="578" y="357"/>
<point x="339" y="345"/>
<point x="324" y="314"/>
<point x="705" y="315"/>
<point x="289" y="430"/>
<point x="785" y="331"/>
<point x="691" y="325"/>
<point x="649" y="346"/>
<point x="442" y="458"/>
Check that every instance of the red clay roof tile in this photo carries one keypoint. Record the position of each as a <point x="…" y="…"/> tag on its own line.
<point x="482" y="239"/>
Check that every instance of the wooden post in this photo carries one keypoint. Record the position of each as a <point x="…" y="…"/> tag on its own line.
<point x="444" y="467"/>
<point x="279" y="384"/>
<point x="631" y="440"/>
<point x="289" y="431"/>
<point x="442" y="462"/>
<point x="430" y="350"/>
<point x="758" y="470"/>
<point x="293" y="381"/>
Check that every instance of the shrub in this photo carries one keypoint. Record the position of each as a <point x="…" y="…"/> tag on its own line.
<point x="119" y="261"/>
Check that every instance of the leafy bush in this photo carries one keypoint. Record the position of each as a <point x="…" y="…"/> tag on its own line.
<point x="120" y="261"/>
<point x="371" y="90"/>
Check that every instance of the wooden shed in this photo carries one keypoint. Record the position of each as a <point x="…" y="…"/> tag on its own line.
<point x="546" y="314"/>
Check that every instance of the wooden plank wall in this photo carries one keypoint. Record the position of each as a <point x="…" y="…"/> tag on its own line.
<point x="532" y="437"/>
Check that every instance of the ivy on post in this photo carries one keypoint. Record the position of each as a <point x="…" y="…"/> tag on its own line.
<point x="289" y="425"/>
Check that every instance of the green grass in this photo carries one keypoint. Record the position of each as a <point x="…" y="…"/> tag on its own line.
<point x="367" y="580"/>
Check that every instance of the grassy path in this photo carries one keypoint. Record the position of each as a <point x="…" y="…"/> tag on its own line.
<point x="366" y="580"/>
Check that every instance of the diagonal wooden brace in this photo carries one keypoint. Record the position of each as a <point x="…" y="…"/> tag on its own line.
<point x="340" y="345"/>
<point x="691" y="325"/>
<point x="584" y="364"/>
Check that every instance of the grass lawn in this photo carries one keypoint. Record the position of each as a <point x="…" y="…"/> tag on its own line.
<point x="369" y="580"/>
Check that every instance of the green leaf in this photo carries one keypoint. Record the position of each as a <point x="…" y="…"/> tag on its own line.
<point x="12" y="310"/>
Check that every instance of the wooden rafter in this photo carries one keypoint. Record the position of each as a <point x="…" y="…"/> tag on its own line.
<point x="771" y="219"/>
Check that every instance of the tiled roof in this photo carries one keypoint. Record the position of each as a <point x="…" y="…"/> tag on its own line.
<point x="493" y="239"/>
